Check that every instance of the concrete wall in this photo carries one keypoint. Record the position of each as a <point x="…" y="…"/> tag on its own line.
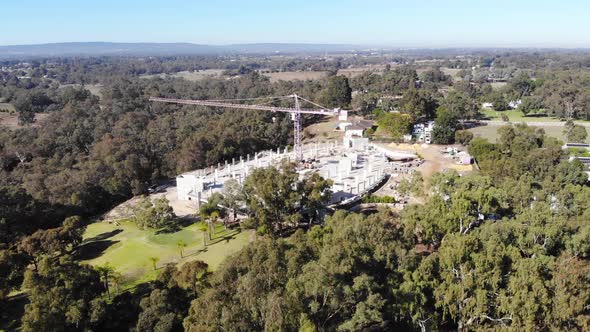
<point x="188" y="185"/>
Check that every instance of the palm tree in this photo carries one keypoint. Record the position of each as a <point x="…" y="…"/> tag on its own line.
<point x="106" y="271"/>
<point x="117" y="278"/>
<point x="212" y="219"/>
<point x="181" y="245"/>
<point x="154" y="261"/>
<point x="205" y="229"/>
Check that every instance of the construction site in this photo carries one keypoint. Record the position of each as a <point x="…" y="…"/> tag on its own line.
<point x="354" y="170"/>
<point x="353" y="164"/>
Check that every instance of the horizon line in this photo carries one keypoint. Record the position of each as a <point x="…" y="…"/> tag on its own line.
<point x="347" y="44"/>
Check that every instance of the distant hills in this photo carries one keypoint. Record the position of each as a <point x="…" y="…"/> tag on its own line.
<point x="146" y="49"/>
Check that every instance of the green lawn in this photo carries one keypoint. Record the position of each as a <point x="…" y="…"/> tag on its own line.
<point x="128" y="249"/>
<point x="491" y="132"/>
<point x="518" y="116"/>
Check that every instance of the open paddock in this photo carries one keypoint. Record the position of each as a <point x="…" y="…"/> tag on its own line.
<point x="190" y="76"/>
<point x="296" y="75"/>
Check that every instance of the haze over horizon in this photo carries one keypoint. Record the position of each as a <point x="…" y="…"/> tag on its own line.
<point x="427" y="24"/>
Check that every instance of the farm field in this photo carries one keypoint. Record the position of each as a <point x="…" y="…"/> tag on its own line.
<point x="451" y="72"/>
<point x="191" y="76"/>
<point x="129" y="249"/>
<point x="355" y="71"/>
<point x="296" y="75"/>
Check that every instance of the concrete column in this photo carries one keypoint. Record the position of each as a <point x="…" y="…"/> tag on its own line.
<point x="233" y="161"/>
<point x="248" y="157"/>
<point x="216" y="176"/>
<point x="278" y="151"/>
<point x="241" y="163"/>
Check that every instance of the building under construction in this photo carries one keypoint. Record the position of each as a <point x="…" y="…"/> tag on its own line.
<point x="354" y="165"/>
<point x="355" y="169"/>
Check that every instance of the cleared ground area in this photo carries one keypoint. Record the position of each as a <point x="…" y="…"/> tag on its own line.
<point x="435" y="160"/>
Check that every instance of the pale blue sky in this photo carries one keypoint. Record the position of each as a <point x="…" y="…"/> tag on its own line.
<point x="421" y="23"/>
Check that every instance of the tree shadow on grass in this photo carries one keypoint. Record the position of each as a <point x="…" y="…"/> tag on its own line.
<point x="196" y="252"/>
<point x="93" y="249"/>
<point x="12" y="310"/>
<point x="104" y="235"/>
<point x="176" y="226"/>
<point x="227" y="237"/>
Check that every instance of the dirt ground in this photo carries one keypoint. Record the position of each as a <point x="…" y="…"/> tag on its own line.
<point x="434" y="160"/>
<point x="322" y="131"/>
<point x="125" y="210"/>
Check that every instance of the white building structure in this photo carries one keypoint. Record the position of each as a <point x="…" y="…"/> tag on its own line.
<point x="353" y="170"/>
<point x="422" y="132"/>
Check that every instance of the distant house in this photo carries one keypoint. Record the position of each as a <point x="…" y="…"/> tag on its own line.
<point x="354" y="131"/>
<point x="422" y="132"/>
<point x="514" y="104"/>
<point x="487" y="106"/>
<point x="357" y="128"/>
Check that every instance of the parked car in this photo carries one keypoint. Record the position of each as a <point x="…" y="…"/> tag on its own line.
<point x="156" y="189"/>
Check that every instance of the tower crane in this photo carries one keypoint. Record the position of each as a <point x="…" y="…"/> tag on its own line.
<point x="295" y="112"/>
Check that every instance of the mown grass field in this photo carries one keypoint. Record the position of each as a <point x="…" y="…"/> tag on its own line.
<point x="128" y="249"/>
<point x="516" y="116"/>
<point x="491" y="132"/>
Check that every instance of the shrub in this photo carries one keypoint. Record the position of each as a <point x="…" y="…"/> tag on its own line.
<point x="463" y="136"/>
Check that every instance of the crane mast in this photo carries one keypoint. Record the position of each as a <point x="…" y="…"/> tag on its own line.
<point x="295" y="113"/>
